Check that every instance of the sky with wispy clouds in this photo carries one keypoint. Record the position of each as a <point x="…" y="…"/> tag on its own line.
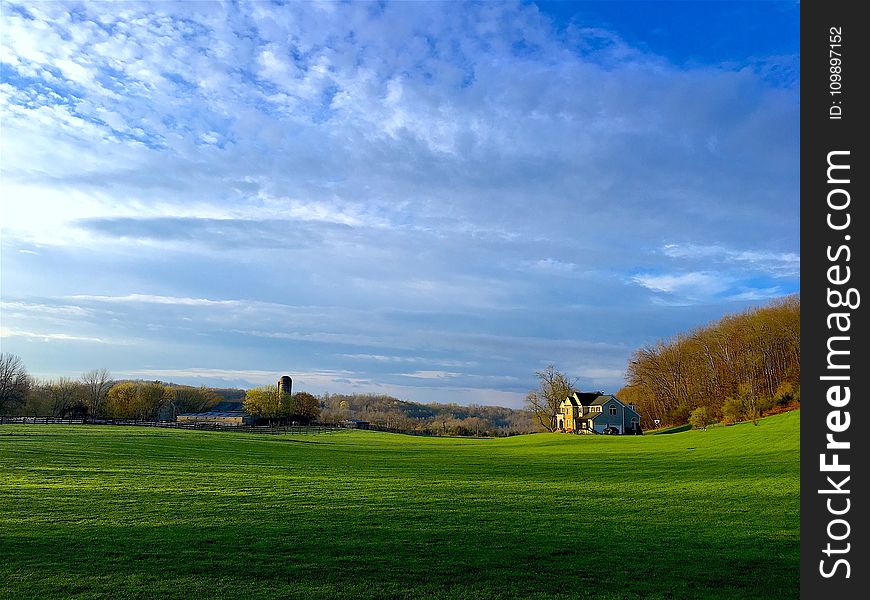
<point x="431" y="200"/>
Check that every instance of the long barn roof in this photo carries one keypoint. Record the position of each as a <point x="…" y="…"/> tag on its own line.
<point x="217" y="413"/>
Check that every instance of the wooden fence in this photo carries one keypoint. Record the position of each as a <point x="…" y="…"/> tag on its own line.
<point x="275" y="429"/>
<point x="268" y="429"/>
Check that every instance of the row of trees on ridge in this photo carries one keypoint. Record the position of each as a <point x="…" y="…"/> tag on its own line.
<point x="430" y="418"/>
<point x="737" y="368"/>
<point x="96" y="395"/>
<point x="268" y="403"/>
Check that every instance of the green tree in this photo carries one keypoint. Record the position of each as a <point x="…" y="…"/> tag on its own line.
<point x="701" y="417"/>
<point x="121" y="400"/>
<point x="787" y="392"/>
<point x="554" y="387"/>
<point x="267" y="403"/>
<point x="150" y="398"/>
<point x="136" y="400"/>
<point x="305" y="405"/>
<point x="744" y="405"/>
<point x="732" y="410"/>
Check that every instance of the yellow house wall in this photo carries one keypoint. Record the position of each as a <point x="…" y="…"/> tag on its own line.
<point x="570" y="414"/>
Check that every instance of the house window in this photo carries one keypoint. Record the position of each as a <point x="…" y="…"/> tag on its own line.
<point x="612" y="410"/>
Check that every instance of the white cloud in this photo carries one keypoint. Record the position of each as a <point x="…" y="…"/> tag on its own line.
<point x="52" y="337"/>
<point x="776" y="264"/>
<point x="687" y="284"/>
<point x="254" y="376"/>
<point x="431" y="374"/>
<point x="50" y="309"/>
<point x="152" y="299"/>
<point x="757" y="294"/>
<point x="601" y="373"/>
<point x="551" y="266"/>
<point x="380" y="358"/>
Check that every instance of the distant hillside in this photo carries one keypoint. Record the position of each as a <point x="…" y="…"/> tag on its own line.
<point x="230" y="393"/>
<point x="449" y="419"/>
<point x="739" y="367"/>
<point x="387" y="411"/>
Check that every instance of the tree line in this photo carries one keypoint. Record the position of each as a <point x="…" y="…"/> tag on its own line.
<point x="96" y="395"/>
<point x="431" y="418"/>
<point x="269" y="404"/>
<point x="735" y="369"/>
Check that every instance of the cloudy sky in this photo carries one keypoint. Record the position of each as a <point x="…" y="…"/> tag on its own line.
<point x="430" y="200"/>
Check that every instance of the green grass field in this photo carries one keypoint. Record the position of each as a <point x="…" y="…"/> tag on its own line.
<point x="106" y="512"/>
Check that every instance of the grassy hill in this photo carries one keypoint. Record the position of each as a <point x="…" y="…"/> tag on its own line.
<point x="106" y="512"/>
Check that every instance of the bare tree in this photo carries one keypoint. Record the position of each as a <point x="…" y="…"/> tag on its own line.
<point x="97" y="383"/>
<point x="759" y="348"/>
<point x="14" y="382"/>
<point x="185" y="399"/>
<point x="544" y="402"/>
<point x="64" y="395"/>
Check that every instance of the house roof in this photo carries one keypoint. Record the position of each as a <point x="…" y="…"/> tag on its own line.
<point x="601" y="399"/>
<point x="228" y="405"/>
<point x="581" y="398"/>
<point x="595" y="399"/>
<point x="586" y="398"/>
<point x="217" y="413"/>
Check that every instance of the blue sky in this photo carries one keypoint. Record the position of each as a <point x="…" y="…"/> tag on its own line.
<point x="430" y="200"/>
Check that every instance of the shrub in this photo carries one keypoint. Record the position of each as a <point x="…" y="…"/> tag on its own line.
<point x="679" y="414"/>
<point x="787" y="392"/>
<point x="701" y="417"/>
<point x="732" y="410"/>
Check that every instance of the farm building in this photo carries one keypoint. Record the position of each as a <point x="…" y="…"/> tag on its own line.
<point x="217" y="417"/>
<point x="595" y="412"/>
<point x="232" y="413"/>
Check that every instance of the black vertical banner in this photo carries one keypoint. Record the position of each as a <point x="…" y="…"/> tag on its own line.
<point x="835" y="368"/>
